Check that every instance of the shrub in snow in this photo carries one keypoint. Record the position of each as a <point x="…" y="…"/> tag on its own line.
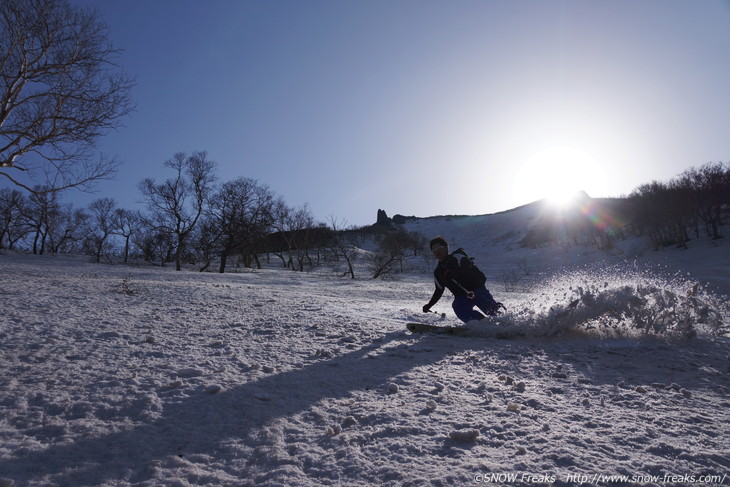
<point x="431" y="404"/>
<point x="334" y="430"/>
<point x="464" y="436"/>
<point x="513" y="407"/>
<point x="126" y="287"/>
<point x="213" y="389"/>
<point x="393" y="388"/>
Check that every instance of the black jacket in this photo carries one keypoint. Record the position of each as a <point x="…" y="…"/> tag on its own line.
<point x="458" y="274"/>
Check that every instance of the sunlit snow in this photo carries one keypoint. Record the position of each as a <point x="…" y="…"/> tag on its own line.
<point x="608" y="363"/>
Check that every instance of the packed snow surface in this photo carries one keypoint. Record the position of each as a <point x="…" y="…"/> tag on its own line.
<point x="121" y="375"/>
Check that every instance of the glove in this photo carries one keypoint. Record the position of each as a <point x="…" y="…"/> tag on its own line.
<point x="426" y="308"/>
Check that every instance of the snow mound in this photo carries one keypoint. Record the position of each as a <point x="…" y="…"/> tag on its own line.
<point x="465" y="436"/>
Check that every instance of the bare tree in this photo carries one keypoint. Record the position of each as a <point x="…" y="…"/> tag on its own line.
<point x="242" y="210"/>
<point x="418" y="242"/>
<point x="342" y="249"/>
<point x="177" y="204"/>
<point x="302" y="227"/>
<point x="101" y="225"/>
<point x="38" y="213"/>
<point x="710" y="186"/>
<point x="12" y="224"/>
<point x="278" y="244"/>
<point x="662" y="212"/>
<point x="59" y="93"/>
<point x="68" y="228"/>
<point x="125" y="224"/>
<point x="296" y="234"/>
<point x="155" y="244"/>
<point x="206" y="240"/>
<point x="390" y="254"/>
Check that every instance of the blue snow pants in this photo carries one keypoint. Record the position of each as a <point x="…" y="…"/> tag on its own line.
<point x="464" y="307"/>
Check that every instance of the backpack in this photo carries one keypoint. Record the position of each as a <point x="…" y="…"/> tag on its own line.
<point x="467" y="264"/>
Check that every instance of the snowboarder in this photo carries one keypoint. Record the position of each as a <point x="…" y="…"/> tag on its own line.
<point x="457" y="272"/>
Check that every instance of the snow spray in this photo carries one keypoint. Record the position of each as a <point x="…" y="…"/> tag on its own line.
<point x="616" y="301"/>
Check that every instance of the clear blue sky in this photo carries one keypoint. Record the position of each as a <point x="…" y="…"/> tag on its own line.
<point x="422" y="107"/>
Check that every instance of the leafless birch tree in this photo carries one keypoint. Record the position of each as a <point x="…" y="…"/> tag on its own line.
<point x="177" y="204"/>
<point x="342" y="248"/>
<point x="242" y="211"/>
<point x="59" y="93"/>
<point x="126" y="223"/>
<point x="101" y="225"/>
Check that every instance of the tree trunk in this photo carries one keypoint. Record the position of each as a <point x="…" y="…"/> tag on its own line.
<point x="224" y="261"/>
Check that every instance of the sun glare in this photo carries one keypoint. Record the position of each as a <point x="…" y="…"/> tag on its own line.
<point x="558" y="174"/>
<point x="562" y="199"/>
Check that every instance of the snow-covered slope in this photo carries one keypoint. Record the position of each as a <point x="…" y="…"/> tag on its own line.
<point x="116" y="375"/>
<point x="495" y="240"/>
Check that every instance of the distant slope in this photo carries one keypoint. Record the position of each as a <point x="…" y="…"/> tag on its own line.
<point x="498" y="242"/>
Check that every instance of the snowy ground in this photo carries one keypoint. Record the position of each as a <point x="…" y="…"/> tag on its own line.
<point x="116" y="375"/>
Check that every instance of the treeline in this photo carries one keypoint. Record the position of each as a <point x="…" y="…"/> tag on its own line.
<point x="694" y="204"/>
<point x="189" y="219"/>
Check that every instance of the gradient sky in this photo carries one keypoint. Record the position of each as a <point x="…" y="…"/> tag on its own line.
<point x="422" y="107"/>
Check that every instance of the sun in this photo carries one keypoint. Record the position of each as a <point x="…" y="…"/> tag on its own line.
<point x="558" y="174"/>
<point x="562" y="199"/>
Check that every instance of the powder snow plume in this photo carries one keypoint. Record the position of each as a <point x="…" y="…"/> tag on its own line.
<point x="613" y="301"/>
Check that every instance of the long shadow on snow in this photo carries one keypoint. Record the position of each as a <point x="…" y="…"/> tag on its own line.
<point x="202" y="423"/>
<point x="694" y="364"/>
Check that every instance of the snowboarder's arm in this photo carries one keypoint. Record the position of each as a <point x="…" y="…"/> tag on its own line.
<point x="434" y="299"/>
